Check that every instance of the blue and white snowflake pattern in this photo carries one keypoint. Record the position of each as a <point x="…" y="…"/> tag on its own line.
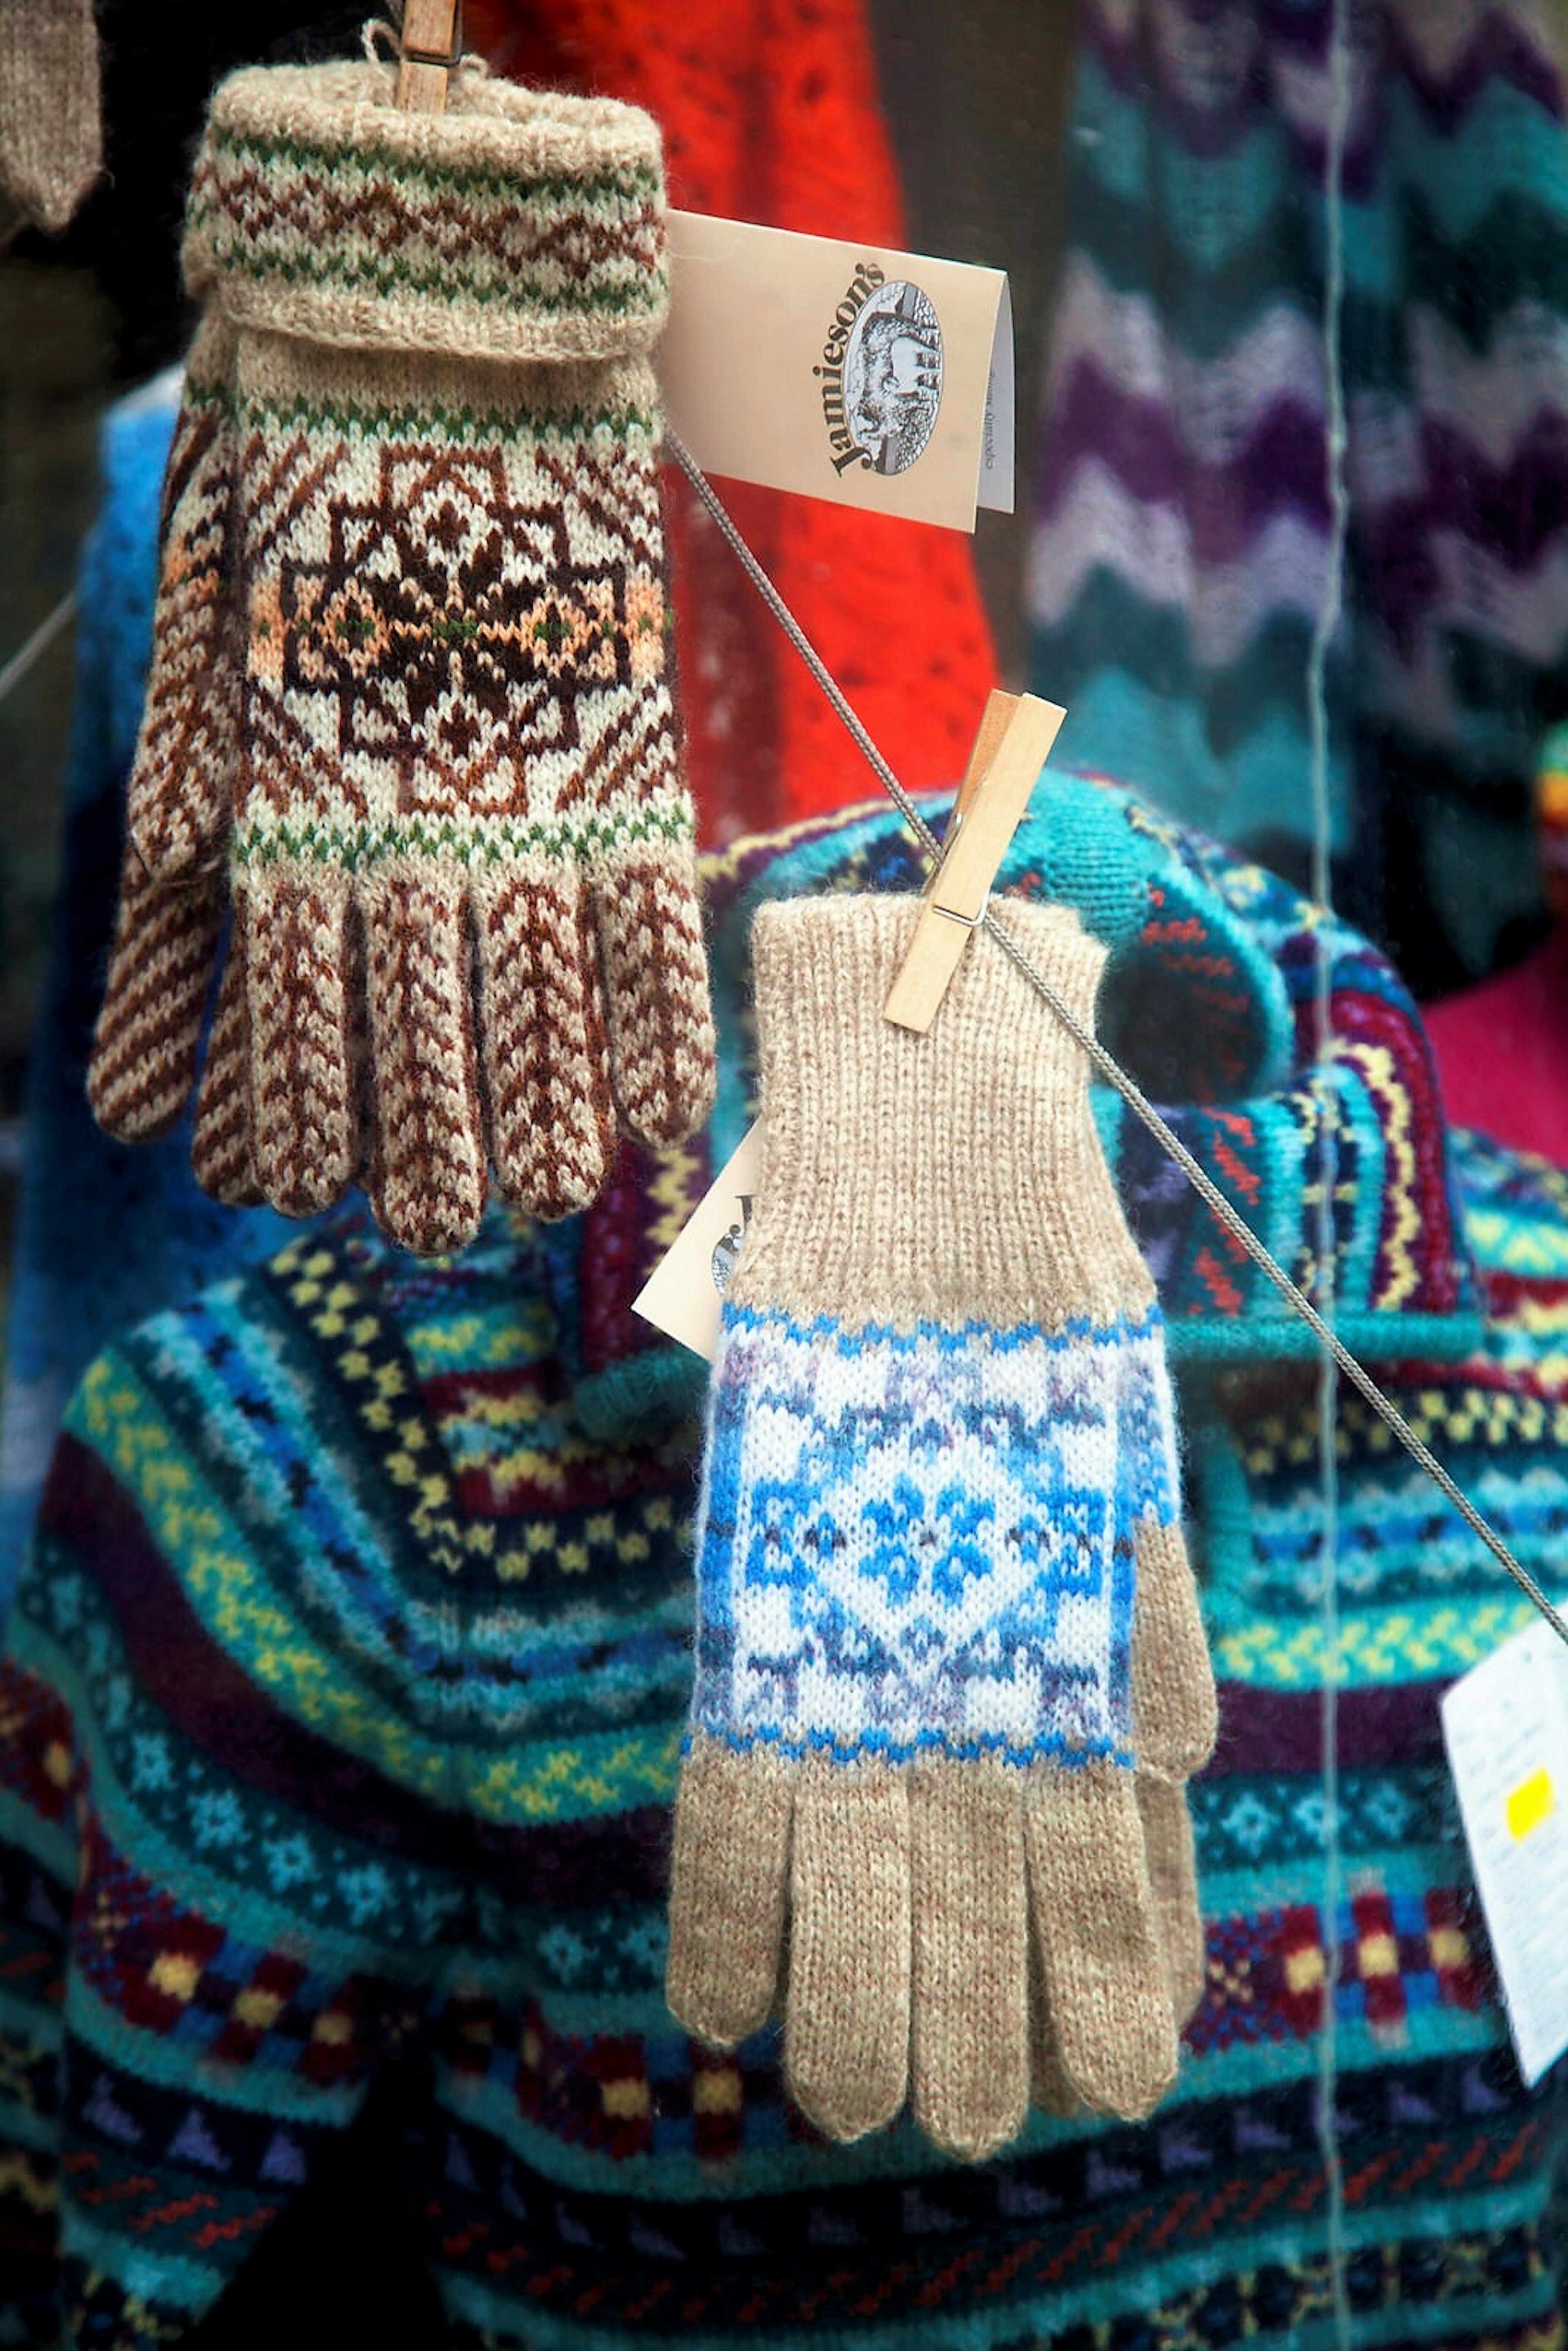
<point x="928" y="1539"/>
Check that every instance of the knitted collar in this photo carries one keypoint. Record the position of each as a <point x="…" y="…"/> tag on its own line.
<point x="1211" y="999"/>
<point x="519" y="225"/>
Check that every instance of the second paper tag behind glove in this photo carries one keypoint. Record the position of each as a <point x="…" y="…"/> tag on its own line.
<point x="409" y="675"/>
<point x="951" y="1675"/>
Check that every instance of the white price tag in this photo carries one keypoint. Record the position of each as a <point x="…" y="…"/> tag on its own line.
<point x="1506" y="1727"/>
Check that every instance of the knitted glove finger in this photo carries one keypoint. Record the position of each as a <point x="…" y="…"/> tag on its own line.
<point x="148" y="1033"/>
<point x="546" y="1048"/>
<point x="656" y="976"/>
<point x="229" y="1135"/>
<point x="847" y="2000"/>
<point x="1174" y="1726"/>
<point x="1168" y="1847"/>
<point x="430" y="1191"/>
<point x="1169" y="1854"/>
<point x="971" y="2051"/>
<point x="299" y="1027"/>
<point x="1173" y="1873"/>
<point x="1174" y="1711"/>
<point x="1175" y="1723"/>
<point x="1048" y="2087"/>
<point x="1114" y="1882"/>
<point x="729" y="1871"/>
<point x="186" y="766"/>
<point x="1098" y="1935"/>
<point x="169" y="918"/>
<point x="222" y="1158"/>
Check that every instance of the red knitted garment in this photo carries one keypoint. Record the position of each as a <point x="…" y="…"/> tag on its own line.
<point x="769" y="111"/>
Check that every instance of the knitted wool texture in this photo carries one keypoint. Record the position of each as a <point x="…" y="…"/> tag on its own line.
<point x="107" y="1235"/>
<point x="343" y="1710"/>
<point x="1211" y="999"/>
<point x="339" y="1718"/>
<point x="409" y="668"/>
<point x="51" y="136"/>
<point x="1183" y="545"/>
<point x="942" y="1591"/>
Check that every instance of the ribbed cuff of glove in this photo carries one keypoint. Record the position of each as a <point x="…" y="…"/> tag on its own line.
<point x="875" y="1134"/>
<point x="519" y="225"/>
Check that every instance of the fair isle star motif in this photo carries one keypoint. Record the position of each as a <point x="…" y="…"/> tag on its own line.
<point x="929" y="1539"/>
<point x="451" y="605"/>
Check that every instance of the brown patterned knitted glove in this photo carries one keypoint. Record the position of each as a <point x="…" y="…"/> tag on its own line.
<point x="409" y="672"/>
<point x="951" y="1675"/>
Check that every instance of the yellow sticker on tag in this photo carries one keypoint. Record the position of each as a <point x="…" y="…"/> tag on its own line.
<point x="1505" y="1725"/>
<point x="1533" y="1800"/>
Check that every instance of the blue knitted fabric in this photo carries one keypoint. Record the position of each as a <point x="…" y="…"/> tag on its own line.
<point x="1211" y="999"/>
<point x="835" y="1452"/>
<point x="342" y="1707"/>
<point x="339" y="1717"/>
<point x="105" y="1235"/>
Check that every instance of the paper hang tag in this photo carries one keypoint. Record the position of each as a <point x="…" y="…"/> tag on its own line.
<point x="1505" y="1724"/>
<point x="684" y="1293"/>
<point x="878" y="379"/>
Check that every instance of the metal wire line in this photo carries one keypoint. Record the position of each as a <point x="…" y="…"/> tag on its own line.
<point x="36" y="646"/>
<point x="1111" y="1069"/>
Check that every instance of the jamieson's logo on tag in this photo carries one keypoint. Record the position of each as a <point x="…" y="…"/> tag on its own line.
<point x="881" y="373"/>
<point x="876" y="379"/>
<point x="685" y="1293"/>
<point x="727" y="1254"/>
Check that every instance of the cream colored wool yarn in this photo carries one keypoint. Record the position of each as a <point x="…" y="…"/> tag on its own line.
<point x="951" y="1672"/>
<point x="409" y="677"/>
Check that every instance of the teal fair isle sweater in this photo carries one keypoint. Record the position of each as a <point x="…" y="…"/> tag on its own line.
<point x="342" y="1698"/>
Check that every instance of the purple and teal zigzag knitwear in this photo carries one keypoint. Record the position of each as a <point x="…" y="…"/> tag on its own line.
<point x="1182" y="541"/>
<point x="340" y="1717"/>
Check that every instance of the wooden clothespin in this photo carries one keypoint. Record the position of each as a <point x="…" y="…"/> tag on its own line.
<point x="430" y="44"/>
<point x="1016" y="734"/>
